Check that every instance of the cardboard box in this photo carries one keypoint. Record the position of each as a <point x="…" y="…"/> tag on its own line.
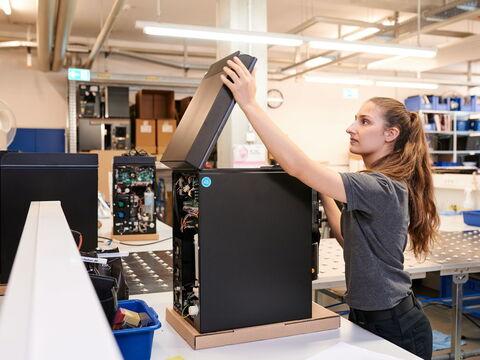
<point x="165" y="130"/>
<point x="151" y="150"/>
<point x="155" y="104"/>
<point x="145" y="134"/>
<point x="105" y="167"/>
<point x="321" y="320"/>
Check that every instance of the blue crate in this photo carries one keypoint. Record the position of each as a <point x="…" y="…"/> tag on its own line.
<point x="475" y="125"/>
<point x="136" y="344"/>
<point x="471" y="287"/>
<point x="470" y="106"/>
<point x="441" y="104"/>
<point x="415" y="103"/>
<point x="463" y="125"/>
<point x="472" y="217"/>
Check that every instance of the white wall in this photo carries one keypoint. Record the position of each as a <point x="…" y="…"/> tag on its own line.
<point x="316" y="116"/>
<point x="37" y="99"/>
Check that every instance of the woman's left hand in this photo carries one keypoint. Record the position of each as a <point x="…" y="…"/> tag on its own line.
<point x="241" y="82"/>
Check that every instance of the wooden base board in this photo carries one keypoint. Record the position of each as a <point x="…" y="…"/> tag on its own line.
<point x="139" y="237"/>
<point x="321" y="320"/>
<point x="3" y="288"/>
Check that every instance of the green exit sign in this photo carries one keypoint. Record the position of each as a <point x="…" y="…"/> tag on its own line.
<point x="78" y="74"/>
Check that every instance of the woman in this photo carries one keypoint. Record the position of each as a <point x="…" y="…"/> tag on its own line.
<point x="393" y="198"/>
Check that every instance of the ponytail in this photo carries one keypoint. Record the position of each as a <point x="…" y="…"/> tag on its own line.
<point x="410" y="163"/>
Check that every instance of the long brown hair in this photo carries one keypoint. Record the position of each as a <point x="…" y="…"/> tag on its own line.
<point x="410" y="162"/>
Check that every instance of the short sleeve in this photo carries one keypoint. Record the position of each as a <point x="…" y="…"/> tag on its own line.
<point x="368" y="192"/>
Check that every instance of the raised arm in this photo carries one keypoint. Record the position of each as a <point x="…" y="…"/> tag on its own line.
<point x="290" y="157"/>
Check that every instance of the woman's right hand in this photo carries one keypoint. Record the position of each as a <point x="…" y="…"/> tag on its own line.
<point x="241" y="82"/>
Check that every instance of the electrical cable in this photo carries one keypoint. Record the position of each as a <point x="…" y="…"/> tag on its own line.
<point x="80" y="238"/>
<point x="132" y="244"/>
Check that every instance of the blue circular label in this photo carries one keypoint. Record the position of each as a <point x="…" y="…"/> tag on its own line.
<point x="206" y="182"/>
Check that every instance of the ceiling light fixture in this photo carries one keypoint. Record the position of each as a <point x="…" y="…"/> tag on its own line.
<point x="5" y="7"/>
<point x="357" y="35"/>
<point x="357" y="46"/>
<point x="221" y="34"/>
<point x="318" y="61"/>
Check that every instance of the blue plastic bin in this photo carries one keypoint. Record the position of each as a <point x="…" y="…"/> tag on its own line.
<point x="136" y="344"/>
<point x="415" y="103"/>
<point x="471" y="105"/>
<point x="475" y="125"/>
<point x="441" y="104"/>
<point x="472" y="217"/>
<point x="463" y="125"/>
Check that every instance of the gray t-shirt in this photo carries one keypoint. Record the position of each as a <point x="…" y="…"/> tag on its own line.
<point x="374" y="226"/>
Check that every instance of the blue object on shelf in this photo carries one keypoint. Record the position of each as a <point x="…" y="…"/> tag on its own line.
<point x="416" y="103"/>
<point x="472" y="286"/>
<point x="136" y="344"/>
<point x="455" y="103"/>
<point x="472" y="217"/>
<point x="441" y="104"/>
<point x="430" y="127"/>
<point x="39" y="140"/>
<point x="463" y="125"/>
<point x="475" y="125"/>
<point x="447" y="163"/>
<point x="471" y="105"/>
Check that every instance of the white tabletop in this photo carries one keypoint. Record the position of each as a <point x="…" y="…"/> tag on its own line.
<point x="167" y="343"/>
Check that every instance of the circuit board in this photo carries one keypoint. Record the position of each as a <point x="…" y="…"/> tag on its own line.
<point x="134" y="198"/>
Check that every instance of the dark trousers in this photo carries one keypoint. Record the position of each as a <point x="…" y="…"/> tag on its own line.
<point x="410" y="330"/>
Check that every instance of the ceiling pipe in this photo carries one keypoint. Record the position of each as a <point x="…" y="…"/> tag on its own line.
<point x="104" y="33"/>
<point x="66" y="12"/>
<point x="45" y="28"/>
<point x="158" y="61"/>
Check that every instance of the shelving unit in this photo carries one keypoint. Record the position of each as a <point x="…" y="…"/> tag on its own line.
<point x="454" y="152"/>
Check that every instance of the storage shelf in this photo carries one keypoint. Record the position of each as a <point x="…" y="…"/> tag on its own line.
<point x="450" y="112"/>
<point x="462" y="133"/>
<point x="442" y="152"/>
<point x="463" y="152"/>
<point x="439" y="132"/>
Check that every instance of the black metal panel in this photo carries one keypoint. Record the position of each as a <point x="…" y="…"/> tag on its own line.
<point x="203" y="120"/>
<point x="255" y="238"/>
<point x="69" y="178"/>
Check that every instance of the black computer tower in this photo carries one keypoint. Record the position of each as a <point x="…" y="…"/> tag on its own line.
<point x="242" y="238"/>
<point x="116" y="102"/>
<point x="71" y="179"/>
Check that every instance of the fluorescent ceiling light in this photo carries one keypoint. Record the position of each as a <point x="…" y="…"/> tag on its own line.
<point x="357" y="35"/>
<point x="5" y="6"/>
<point x="364" y="47"/>
<point x="338" y="80"/>
<point x="252" y="37"/>
<point x="407" y="85"/>
<point x="218" y="34"/>
<point x="321" y="60"/>
<point x="290" y="71"/>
